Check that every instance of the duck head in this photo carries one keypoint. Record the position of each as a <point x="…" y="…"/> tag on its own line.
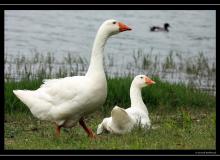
<point x="166" y="25"/>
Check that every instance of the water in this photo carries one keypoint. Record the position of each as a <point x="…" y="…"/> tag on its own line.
<point x="61" y="32"/>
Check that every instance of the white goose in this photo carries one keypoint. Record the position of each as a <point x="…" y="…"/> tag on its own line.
<point x="68" y="100"/>
<point x="124" y="120"/>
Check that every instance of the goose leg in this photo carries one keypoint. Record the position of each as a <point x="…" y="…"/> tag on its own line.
<point x="89" y="131"/>
<point x="58" y="130"/>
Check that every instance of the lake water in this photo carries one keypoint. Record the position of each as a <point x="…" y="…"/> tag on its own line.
<point x="61" y="32"/>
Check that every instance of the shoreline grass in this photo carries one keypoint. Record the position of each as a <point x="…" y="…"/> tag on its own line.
<point x="198" y="71"/>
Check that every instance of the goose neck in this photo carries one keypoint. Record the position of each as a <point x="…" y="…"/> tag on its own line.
<point x="136" y="98"/>
<point x="96" y="61"/>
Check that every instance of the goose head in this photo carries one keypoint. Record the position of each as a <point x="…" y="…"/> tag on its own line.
<point x="111" y="27"/>
<point x="141" y="81"/>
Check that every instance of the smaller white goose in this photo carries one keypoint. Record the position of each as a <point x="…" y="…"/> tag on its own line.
<point x="124" y="120"/>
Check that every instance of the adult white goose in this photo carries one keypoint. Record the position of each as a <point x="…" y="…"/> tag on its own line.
<point x="67" y="101"/>
<point x="124" y="120"/>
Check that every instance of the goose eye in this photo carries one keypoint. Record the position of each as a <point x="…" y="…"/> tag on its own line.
<point x="141" y="77"/>
<point x="114" y="22"/>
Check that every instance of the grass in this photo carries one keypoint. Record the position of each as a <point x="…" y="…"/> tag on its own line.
<point x="186" y="118"/>
<point x="41" y="66"/>
<point x="173" y="62"/>
<point x="184" y="129"/>
<point x="163" y="94"/>
<point x="193" y="70"/>
<point x="198" y="70"/>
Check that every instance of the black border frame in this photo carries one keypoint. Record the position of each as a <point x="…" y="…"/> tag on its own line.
<point x="107" y="2"/>
<point x="129" y="153"/>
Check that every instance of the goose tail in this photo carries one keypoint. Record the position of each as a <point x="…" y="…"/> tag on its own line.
<point x="24" y="96"/>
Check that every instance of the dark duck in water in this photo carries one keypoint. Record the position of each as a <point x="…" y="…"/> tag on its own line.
<point x="160" y="29"/>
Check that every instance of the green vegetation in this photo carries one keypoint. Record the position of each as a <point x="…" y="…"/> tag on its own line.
<point x="162" y="94"/>
<point x="182" y="129"/>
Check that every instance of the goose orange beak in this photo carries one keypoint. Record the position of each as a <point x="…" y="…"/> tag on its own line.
<point x="123" y="27"/>
<point x="149" y="81"/>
